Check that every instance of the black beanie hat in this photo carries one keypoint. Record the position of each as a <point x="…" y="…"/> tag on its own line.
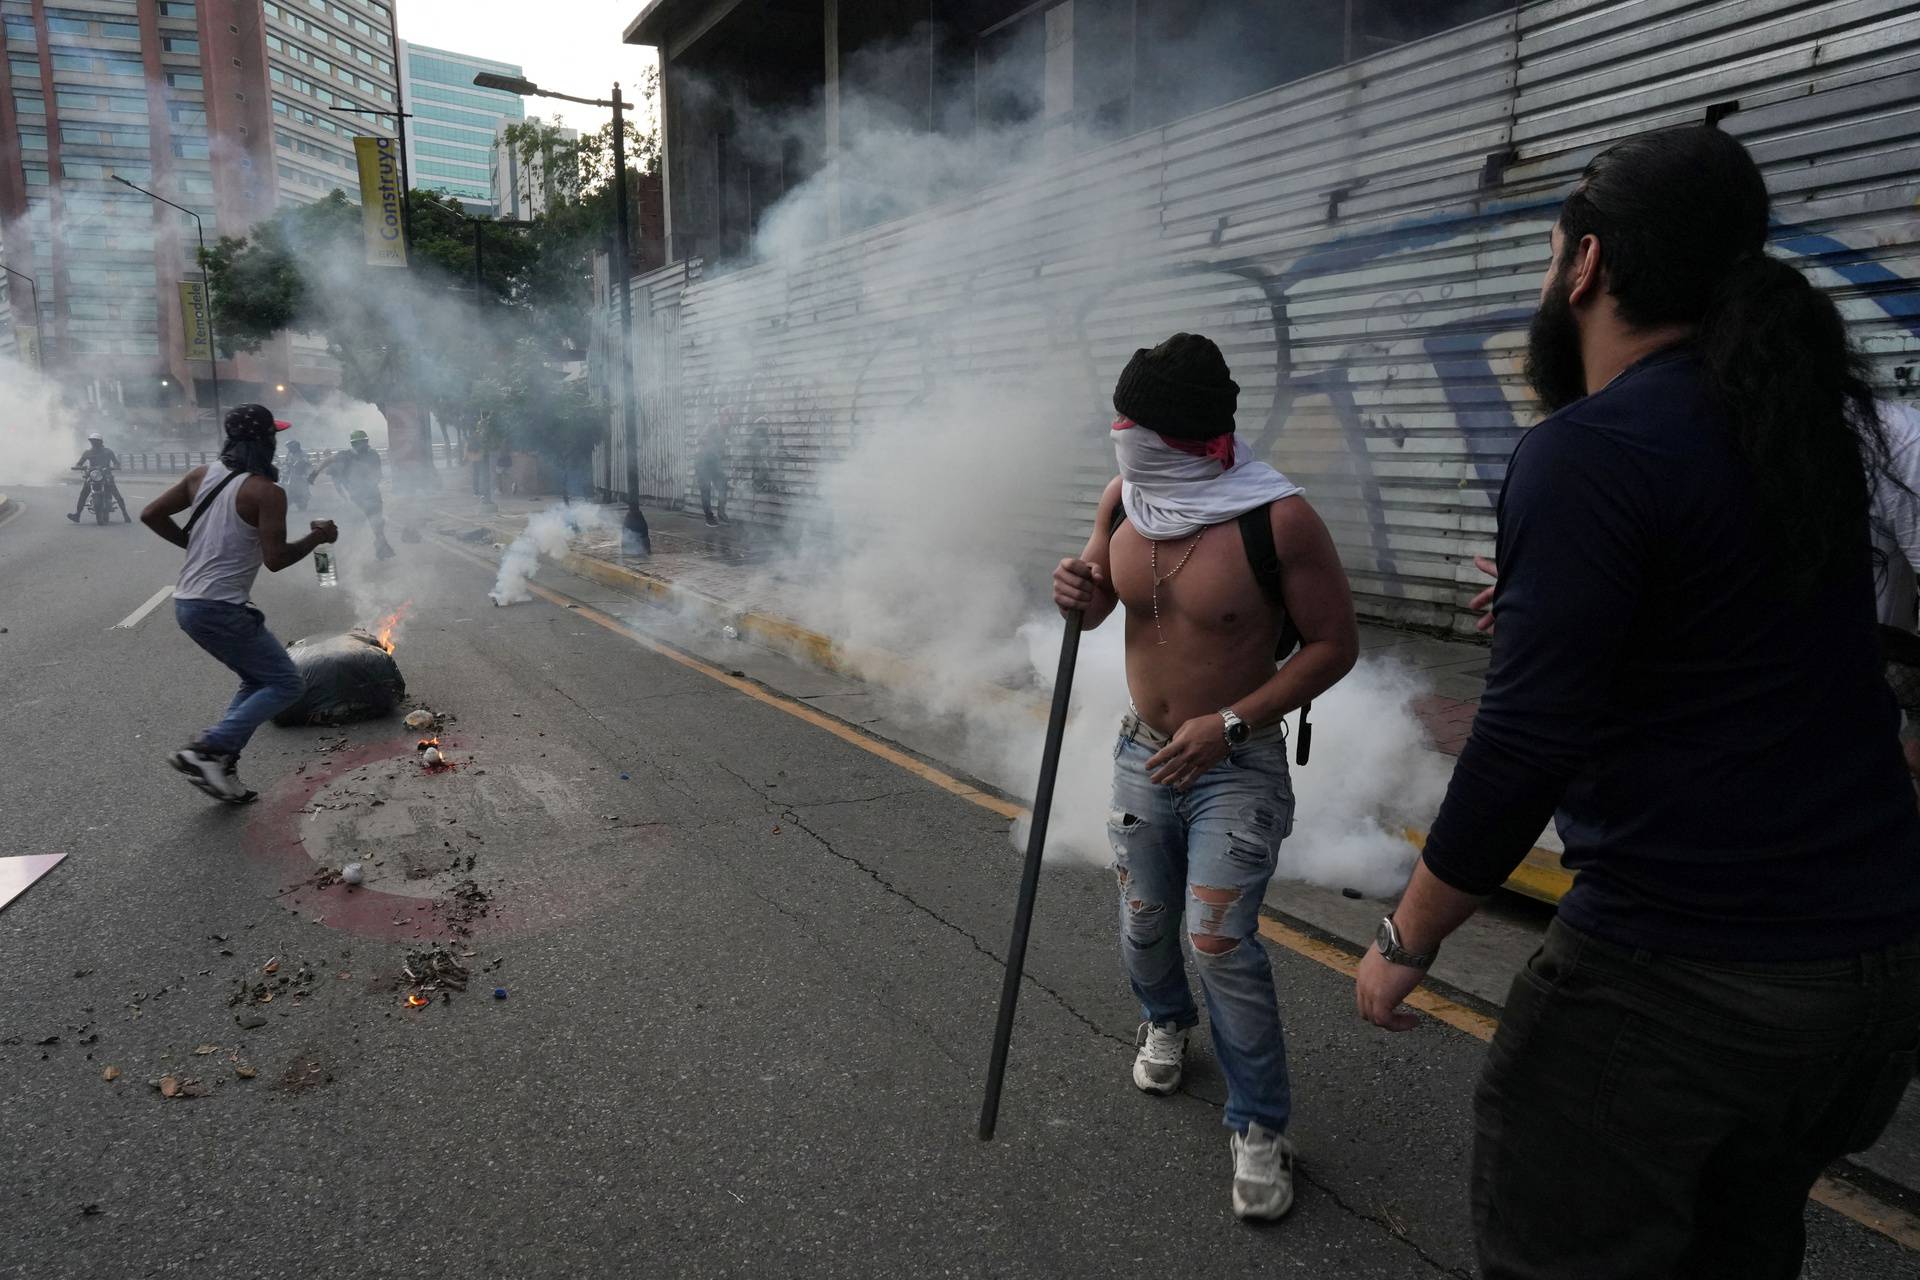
<point x="250" y="422"/>
<point x="1181" y="388"/>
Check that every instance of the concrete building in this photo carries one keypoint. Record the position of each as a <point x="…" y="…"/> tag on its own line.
<point x="525" y="185"/>
<point x="758" y="96"/>
<point x="891" y="211"/>
<point x="226" y="107"/>
<point x="451" y="138"/>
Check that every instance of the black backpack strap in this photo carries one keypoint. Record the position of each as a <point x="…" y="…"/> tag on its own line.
<point x="1256" y="535"/>
<point x="206" y="502"/>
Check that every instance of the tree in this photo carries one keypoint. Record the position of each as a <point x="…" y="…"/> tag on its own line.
<point x="422" y="337"/>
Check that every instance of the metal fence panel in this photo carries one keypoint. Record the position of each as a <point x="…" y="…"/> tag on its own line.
<point x="1340" y="238"/>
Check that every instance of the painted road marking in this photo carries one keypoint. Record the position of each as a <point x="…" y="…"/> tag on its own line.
<point x="1843" y="1198"/>
<point x="132" y="620"/>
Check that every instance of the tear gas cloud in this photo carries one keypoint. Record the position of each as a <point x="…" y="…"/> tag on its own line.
<point x="933" y="536"/>
<point x="549" y="533"/>
<point x="39" y="435"/>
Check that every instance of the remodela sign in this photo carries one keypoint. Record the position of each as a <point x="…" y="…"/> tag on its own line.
<point x="380" y="196"/>
<point x="195" y="324"/>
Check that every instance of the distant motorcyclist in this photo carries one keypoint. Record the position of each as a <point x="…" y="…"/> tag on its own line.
<point x="98" y="457"/>
<point x="356" y="473"/>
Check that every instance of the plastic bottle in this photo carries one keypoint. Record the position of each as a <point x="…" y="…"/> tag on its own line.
<point x="323" y="565"/>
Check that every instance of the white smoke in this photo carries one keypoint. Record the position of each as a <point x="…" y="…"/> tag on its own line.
<point x="39" y="436"/>
<point x="929" y="564"/>
<point x="932" y="537"/>
<point x="549" y="533"/>
<point x="323" y="426"/>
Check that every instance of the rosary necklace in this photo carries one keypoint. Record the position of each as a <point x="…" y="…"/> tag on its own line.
<point x="1154" y="567"/>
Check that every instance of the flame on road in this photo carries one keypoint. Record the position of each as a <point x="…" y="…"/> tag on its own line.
<point x="384" y="629"/>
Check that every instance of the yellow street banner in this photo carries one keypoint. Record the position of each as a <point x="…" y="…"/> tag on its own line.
<point x="380" y="196"/>
<point x="196" y="326"/>
<point x="26" y="339"/>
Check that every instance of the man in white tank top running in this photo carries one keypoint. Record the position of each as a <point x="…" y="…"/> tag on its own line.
<point x="239" y="523"/>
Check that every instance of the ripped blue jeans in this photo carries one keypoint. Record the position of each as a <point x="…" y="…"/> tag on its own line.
<point x="1201" y="859"/>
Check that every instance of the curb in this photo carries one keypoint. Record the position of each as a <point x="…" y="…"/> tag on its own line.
<point x="1540" y="876"/>
<point x="770" y="631"/>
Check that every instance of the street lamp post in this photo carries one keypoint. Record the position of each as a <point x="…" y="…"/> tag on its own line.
<point x="39" y="344"/>
<point x="206" y="285"/>
<point x="636" y="539"/>
<point x="399" y="113"/>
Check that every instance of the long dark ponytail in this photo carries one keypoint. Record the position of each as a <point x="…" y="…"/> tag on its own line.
<point x="1681" y="217"/>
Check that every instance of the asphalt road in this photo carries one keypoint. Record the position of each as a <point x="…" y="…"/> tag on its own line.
<point x="751" y="972"/>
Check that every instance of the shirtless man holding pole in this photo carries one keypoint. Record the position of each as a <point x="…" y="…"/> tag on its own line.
<point x="1201" y="792"/>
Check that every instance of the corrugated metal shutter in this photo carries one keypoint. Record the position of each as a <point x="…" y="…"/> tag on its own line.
<point x="1341" y="240"/>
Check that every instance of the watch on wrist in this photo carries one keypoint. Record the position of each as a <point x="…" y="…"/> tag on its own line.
<point x="1238" y="730"/>
<point x="1388" y="941"/>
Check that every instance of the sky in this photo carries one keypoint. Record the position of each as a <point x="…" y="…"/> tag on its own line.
<point x="569" y="45"/>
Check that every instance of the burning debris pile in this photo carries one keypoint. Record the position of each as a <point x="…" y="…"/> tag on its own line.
<point x="348" y="677"/>
<point x="430" y="971"/>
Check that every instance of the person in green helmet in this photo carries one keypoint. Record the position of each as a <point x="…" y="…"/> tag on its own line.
<point x="356" y="473"/>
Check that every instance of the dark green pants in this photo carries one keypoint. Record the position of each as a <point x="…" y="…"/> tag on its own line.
<point x="1642" y="1116"/>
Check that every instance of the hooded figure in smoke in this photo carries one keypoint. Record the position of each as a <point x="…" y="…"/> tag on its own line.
<point x="239" y="523"/>
<point x="1219" y="563"/>
<point x="356" y="473"/>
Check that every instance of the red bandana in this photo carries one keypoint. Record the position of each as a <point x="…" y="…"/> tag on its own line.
<point x="1220" y="448"/>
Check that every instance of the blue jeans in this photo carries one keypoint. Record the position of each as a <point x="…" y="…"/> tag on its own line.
<point x="269" y="682"/>
<point x="1203" y="857"/>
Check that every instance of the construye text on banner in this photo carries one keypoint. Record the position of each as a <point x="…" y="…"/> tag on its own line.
<point x="382" y="218"/>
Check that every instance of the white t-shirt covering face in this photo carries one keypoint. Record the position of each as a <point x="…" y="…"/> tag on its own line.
<point x="1896" y="518"/>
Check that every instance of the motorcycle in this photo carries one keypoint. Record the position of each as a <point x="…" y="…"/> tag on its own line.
<point x="99" y="482"/>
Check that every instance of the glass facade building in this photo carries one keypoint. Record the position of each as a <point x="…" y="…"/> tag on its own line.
<point x="228" y="108"/>
<point x="454" y="123"/>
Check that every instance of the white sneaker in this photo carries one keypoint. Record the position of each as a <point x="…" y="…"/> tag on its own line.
<point x="1156" y="1068"/>
<point x="214" y="772"/>
<point x="1262" y="1174"/>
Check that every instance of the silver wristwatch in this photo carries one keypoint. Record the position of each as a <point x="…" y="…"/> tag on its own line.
<point x="1238" y="730"/>
<point x="1388" y="941"/>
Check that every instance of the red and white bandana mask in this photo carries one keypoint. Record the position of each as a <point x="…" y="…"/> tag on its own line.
<point x="1175" y="488"/>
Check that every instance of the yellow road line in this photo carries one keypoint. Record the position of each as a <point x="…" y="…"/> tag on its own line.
<point x="1849" y="1201"/>
<point x="1843" y="1198"/>
<point x="1431" y="1003"/>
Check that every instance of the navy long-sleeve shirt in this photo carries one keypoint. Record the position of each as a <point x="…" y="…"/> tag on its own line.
<point x="1724" y="762"/>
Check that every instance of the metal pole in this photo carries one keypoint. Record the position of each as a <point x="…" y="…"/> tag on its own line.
<point x="487" y="502"/>
<point x="399" y="114"/>
<point x="636" y="540"/>
<point x="213" y="341"/>
<point x="1030" y="875"/>
<point x="206" y="285"/>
